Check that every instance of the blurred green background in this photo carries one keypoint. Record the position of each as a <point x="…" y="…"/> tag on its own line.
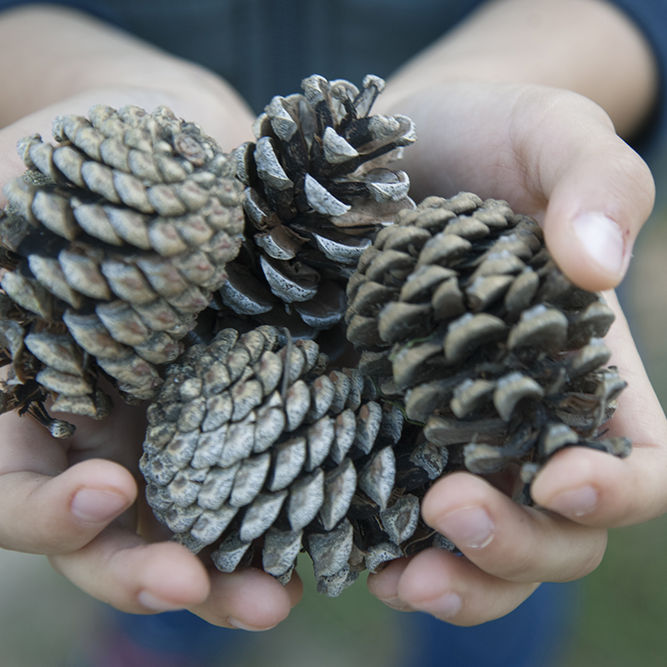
<point x="45" y="622"/>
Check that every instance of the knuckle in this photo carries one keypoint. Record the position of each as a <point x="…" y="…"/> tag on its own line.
<point x="591" y="558"/>
<point x="519" y="565"/>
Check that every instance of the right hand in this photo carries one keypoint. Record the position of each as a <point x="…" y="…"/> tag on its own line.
<point x="80" y="502"/>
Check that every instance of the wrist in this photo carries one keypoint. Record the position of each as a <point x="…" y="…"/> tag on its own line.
<point x="585" y="46"/>
<point x="82" y="62"/>
<point x="226" y="120"/>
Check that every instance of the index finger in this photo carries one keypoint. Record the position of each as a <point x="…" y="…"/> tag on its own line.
<point x="600" y="490"/>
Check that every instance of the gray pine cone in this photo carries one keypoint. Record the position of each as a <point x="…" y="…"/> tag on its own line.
<point x="317" y="190"/>
<point x="460" y="310"/>
<point x="255" y="451"/>
<point x="113" y="241"/>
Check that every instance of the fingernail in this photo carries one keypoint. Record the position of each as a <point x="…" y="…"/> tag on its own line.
<point x="95" y="505"/>
<point x="469" y="527"/>
<point x="397" y="604"/>
<point x="602" y="240"/>
<point x="239" y="625"/>
<point x="575" y="502"/>
<point x="444" y="607"/>
<point x="155" y="603"/>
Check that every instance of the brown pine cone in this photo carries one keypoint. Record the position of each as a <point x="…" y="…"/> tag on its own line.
<point x="461" y="312"/>
<point x="317" y="191"/>
<point x="113" y="241"/>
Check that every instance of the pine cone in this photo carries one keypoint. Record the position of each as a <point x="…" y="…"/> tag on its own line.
<point x="254" y="450"/>
<point x="113" y="241"/>
<point x="317" y="190"/>
<point x="460" y="310"/>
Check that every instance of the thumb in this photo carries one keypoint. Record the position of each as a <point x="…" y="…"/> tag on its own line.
<point x="599" y="197"/>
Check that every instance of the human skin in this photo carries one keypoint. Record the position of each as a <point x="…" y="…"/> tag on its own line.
<point x="493" y="118"/>
<point x="528" y="101"/>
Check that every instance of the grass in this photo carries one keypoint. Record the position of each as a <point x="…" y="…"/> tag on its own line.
<point x="624" y="604"/>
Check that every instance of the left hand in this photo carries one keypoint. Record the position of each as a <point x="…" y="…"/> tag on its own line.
<point x="554" y="155"/>
<point x="508" y="549"/>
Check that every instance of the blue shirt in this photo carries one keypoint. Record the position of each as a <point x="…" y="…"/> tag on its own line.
<point x="651" y="18"/>
<point x="264" y="48"/>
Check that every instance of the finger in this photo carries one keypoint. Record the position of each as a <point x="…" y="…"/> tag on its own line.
<point x="508" y="540"/>
<point x="596" y="489"/>
<point x="384" y="584"/>
<point x="451" y="588"/>
<point x="595" y="213"/>
<point x="118" y="437"/>
<point x="248" y="600"/>
<point x="119" y="568"/>
<point x="599" y="191"/>
<point x="44" y="514"/>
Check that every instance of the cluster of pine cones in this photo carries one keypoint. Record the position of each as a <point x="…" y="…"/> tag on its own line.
<point x="136" y="254"/>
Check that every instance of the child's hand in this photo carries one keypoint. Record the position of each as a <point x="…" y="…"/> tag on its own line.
<point x="554" y="155"/>
<point x="509" y="548"/>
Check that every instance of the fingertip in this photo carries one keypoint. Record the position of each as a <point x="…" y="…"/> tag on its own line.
<point x="248" y="600"/>
<point x="100" y="490"/>
<point x="598" y="202"/>
<point x="99" y="471"/>
<point x="570" y="468"/>
<point x="102" y="475"/>
<point x="384" y="584"/>
<point x="457" y="489"/>
<point x="171" y="573"/>
<point x="425" y="577"/>
<point x="61" y="513"/>
<point x="426" y="585"/>
<point x="591" y="249"/>
<point x="262" y="602"/>
<point x="593" y="488"/>
<point x="586" y="486"/>
<point x="98" y="505"/>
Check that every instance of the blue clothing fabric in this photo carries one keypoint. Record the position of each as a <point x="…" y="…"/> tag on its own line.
<point x="264" y="48"/>
<point x="650" y="16"/>
<point x="533" y="635"/>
